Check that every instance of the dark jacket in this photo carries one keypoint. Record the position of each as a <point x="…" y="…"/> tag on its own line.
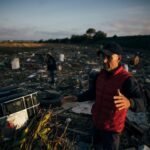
<point x="51" y="63"/>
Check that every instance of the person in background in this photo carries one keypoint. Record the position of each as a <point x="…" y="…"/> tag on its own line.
<point x="115" y="91"/>
<point x="51" y="67"/>
<point x="135" y="61"/>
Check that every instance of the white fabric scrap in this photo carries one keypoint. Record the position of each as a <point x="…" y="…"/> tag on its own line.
<point x="83" y="107"/>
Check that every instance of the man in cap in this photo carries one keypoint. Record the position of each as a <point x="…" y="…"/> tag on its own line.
<point x="114" y="91"/>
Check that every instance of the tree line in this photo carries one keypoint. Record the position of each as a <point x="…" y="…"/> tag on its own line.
<point x="93" y="37"/>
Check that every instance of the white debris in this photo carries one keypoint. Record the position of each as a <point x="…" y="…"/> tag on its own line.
<point x="147" y="80"/>
<point x="32" y="75"/>
<point x="83" y="107"/>
<point x="143" y="147"/>
<point x="15" y="63"/>
<point x="18" y="119"/>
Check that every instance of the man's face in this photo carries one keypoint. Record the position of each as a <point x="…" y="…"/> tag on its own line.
<point x="111" y="62"/>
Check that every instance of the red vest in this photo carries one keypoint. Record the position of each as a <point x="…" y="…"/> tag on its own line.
<point x="105" y="114"/>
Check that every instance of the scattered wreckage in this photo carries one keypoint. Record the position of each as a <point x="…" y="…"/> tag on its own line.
<point x="34" y="98"/>
<point x="17" y="106"/>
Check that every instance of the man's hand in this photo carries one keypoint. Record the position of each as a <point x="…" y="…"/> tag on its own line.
<point x="68" y="99"/>
<point x="121" y="102"/>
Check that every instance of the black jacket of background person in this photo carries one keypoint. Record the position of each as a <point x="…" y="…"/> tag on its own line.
<point x="130" y="89"/>
<point x="51" y="63"/>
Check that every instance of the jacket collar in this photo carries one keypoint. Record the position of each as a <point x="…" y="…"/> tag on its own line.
<point x="114" y="71"/>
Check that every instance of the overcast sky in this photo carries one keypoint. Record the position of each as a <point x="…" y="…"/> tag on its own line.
<point x="51" y="19"/>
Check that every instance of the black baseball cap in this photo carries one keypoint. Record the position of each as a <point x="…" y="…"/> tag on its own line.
<point x="111" y="48"/>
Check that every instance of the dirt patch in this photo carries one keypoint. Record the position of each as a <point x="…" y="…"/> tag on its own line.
<point x="21" y="44"/>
